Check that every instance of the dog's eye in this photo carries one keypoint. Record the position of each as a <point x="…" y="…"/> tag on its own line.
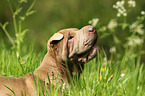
<point x="70" y="37"/>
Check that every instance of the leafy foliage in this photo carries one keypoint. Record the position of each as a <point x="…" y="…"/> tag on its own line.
<point x="131" y="44"/>
<point x="17" y="22"/>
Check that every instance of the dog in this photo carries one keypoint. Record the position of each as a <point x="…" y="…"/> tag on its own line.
<point x="68" y="50"/>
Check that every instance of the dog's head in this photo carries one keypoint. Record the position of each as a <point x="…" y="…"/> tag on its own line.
<point x="74" y="45"/>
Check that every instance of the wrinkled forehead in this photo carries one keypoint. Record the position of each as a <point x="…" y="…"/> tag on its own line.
<point x="69" y="31"/>
<point x="73" y="30"/>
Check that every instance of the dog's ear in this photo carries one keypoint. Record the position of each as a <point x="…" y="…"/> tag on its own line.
<point x="55" y="39"/>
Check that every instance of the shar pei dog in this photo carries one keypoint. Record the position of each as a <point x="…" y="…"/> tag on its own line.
<point x="68" y="50"/>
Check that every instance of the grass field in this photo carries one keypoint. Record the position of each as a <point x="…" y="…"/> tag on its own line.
<point x="102" y="76"/>
<point x="118" y="70"/>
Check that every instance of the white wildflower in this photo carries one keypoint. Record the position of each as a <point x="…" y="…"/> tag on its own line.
<point x="139" y="29"/>
<point x="112" y="49"/>
<point x="120" y="8"/>
<point x="142" y="12"/>
<point x="122" y="75"/>
<point x="118" y="15"/>
<point x="130" y="43"/>
<point x="94" y="21"/>
<point x="138" y="41"/>
<point x="133" y="25"/>
<point x="114" y="6"/>
<point x="136" y="27"/>
<point x="120" y="11"/>
<point x="118" y="3"/>
<point x="124" y="9"/>
<point x="131" y="3"/>
<point x="137" y="87"/>
<point x="135" y="40"/>
<point x="124" y="14"/>
<point x="122" y="2"/>
<point x="112" y="24"/>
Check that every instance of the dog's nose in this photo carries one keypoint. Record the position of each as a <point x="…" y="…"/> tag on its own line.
<point x="92" y="29"/>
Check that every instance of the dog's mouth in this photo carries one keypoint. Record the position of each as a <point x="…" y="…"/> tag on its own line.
<point x="87" y="48"/>
<point x="91" y="52"/>
<point x="89" y="55"/>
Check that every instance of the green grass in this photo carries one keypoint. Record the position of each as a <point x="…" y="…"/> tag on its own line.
<point x="101" y="76"/>
<point x="10" y="65"/>
<point x="121" y="73"/>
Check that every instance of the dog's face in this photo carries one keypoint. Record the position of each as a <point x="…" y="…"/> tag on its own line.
<point x="74" y="45"/>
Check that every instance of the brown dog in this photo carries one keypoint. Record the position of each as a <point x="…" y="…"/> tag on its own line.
<point x="68" y="50"/>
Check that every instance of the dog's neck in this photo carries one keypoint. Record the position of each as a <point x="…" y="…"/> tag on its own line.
<point x="51" y="66"/>
<point x="54" y="66"/>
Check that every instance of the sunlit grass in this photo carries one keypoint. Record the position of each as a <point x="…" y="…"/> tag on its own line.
<point x="10" y="65"/>
<point x="100" y="76"/>
<point x="119" y="73"/>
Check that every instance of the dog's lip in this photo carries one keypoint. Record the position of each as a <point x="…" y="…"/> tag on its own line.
<point x="89" y="55"/>
<point x="88" y="45"/>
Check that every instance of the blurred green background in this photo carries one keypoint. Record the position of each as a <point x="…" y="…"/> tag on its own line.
<point x="53" y="15"/>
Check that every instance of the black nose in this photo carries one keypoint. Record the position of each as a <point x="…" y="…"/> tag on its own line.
<point x="92" y="29"/>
